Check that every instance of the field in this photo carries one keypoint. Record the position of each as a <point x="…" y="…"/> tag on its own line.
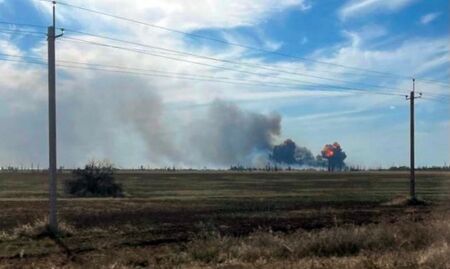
<point x="231" y="220"/>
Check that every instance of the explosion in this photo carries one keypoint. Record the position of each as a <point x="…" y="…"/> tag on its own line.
<point x="328" y="152"/>
<point x="335" y="156"/>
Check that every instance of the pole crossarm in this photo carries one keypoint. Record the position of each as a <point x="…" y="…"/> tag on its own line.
<point x="408" y="97"/>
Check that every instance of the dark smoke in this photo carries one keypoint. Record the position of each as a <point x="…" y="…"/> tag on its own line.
<point x="335" y="156"/>
<point x="289" y="153"/>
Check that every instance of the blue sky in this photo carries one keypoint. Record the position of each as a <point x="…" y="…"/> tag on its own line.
<point x="98" y="116"/>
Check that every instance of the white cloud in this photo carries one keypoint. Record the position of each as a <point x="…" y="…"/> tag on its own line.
<point x="426" y="19"/>
<point x="179" y="14"/>
<point x="7" y="47"/>
<point x="355" y="8"/>
<point x="272" y="45"/>
<point x="95" y="101"/>
<point x="413" y="57"/>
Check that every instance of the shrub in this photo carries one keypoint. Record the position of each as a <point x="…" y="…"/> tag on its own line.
<point x="95" y="180"/>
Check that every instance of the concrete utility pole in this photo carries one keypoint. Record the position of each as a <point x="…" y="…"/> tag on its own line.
<point x="412" y="177"/>
<point x="53" y="223"/>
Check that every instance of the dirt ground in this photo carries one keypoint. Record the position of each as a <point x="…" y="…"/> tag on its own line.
<point x="160" y="231"/>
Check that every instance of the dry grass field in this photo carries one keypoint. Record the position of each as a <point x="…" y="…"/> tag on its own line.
<point x="231" y="220"/>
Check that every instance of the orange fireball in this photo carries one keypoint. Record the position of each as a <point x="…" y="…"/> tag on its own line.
<point x="328" y="151"/>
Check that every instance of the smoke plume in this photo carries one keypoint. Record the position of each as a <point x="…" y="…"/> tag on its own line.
<point x="229" y="134"/>
<point x="224" y="135"/>
<point x="289" y="153"/>
<point x="335" y="156"/>
<point x="146" y="115"/>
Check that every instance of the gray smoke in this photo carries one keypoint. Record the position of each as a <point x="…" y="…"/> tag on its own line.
<point x="223" y="135"/>
<point x="146" y="116"/>
<point x="137" y="128"/>
<point x="229" y="134"/>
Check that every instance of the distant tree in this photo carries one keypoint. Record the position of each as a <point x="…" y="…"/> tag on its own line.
<point x="96" y="179"/>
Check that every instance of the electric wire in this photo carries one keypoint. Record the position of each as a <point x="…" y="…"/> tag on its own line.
<point x="23" y="24"/>
<point x="259" y="66"/>
<point x="12" y="31"/>
<point x="186" y="60"/>
<point x="175" y="52"/>
<point x="197" y="36"/>
<point x="157" y="71"/>
<point x="219" y="60"/>
<point x="176" y="76"/>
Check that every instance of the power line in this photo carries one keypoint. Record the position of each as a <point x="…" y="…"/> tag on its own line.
<point x="11" y="31"/>
<point x="176" y="52"/>
<point x="23" y="24"/>
<point x="140" y="69"/>
<point x="185" y="60"/>
<point x="439" y="95"/>
<point x="164" y="74"/>
<point x="32" y="32"/>
<point x="215" y="77"/>
<point x="22" y="61"/>
<point x="205" y="79"/>
<point x="260" y="66"/>
<point x="219" y="79"/>
<point x="440" y="100"/>
<point x="220" y="60"/>
<point x="196" y="78"/>
<point x="197" y="36"/>
<point x="201" y="79"/>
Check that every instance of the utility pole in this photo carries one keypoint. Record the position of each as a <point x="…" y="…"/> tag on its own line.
<point x="51" y="37"/>
<point x="412" y="176"/>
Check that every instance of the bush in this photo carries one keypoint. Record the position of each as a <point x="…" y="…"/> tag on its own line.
<point x="95" y="180"/>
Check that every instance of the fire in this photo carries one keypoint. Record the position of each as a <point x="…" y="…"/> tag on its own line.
<point x="335" y="156"/>
<point x="329" y="153"/>
<point x="328" y="150"/>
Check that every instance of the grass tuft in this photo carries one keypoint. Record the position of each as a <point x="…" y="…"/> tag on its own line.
<point x="39" y="229"/>
<point x="406" y="201"/>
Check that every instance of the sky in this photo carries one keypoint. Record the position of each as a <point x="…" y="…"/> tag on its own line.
<point x="268" y="70"/>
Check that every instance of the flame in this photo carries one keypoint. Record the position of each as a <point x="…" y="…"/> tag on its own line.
<point x="328" y="150"/>
<point x="335" y="156"/>
<point x="329" y="153"/>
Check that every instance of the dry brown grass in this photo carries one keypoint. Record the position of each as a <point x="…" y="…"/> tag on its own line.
<point x="37" y="229"/>
<point x="406" y="244"/>
<point x="400" y="245"/>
